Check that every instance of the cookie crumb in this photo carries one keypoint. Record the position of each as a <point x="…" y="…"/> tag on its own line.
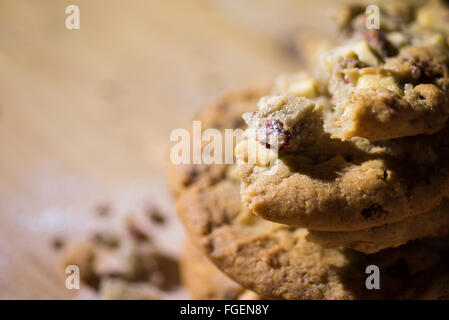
<point x="106" y="238"/>
<point x="156" y="216"/>
<point x="57" y="243"/>
<point x="103" y="210"/>
<point x="136" y="233"/>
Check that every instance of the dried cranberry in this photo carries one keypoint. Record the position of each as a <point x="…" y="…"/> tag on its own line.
<point x="422" y="64"/>
<point x="379" y="42"/>
<point x="276" y="127"/>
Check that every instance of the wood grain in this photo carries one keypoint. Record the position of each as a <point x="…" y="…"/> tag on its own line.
<point x="85" y="115"/>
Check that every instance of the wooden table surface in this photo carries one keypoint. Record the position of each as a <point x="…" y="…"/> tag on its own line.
<point x="85" y="115"/>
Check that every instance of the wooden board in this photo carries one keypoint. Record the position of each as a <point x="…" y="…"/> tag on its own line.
<point x="85" y="115"/>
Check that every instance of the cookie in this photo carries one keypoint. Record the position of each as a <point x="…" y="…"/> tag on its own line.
<point x="431" y="224"/>
<point x="340" y="159"/>
<point x="317" y="182"/>
<point x="276" y="261"/>
<point x="109" y="273"/>
<point x="405" y="56"/>
<point x="406" y="96"/>
<point x="122" y="264"/>
<point x="401" y="23"/>
<point x="205" y="281"/>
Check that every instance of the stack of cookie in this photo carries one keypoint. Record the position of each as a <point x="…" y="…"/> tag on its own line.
<point x="342" y="172"/>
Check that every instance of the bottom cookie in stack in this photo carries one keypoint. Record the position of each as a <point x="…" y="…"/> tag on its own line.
<point x="276" y="261"/>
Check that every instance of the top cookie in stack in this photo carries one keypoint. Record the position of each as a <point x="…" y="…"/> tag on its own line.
<point x="359" y="154"/>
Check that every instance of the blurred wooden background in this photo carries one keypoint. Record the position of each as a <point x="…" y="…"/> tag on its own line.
<point x="85" y="115"/>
